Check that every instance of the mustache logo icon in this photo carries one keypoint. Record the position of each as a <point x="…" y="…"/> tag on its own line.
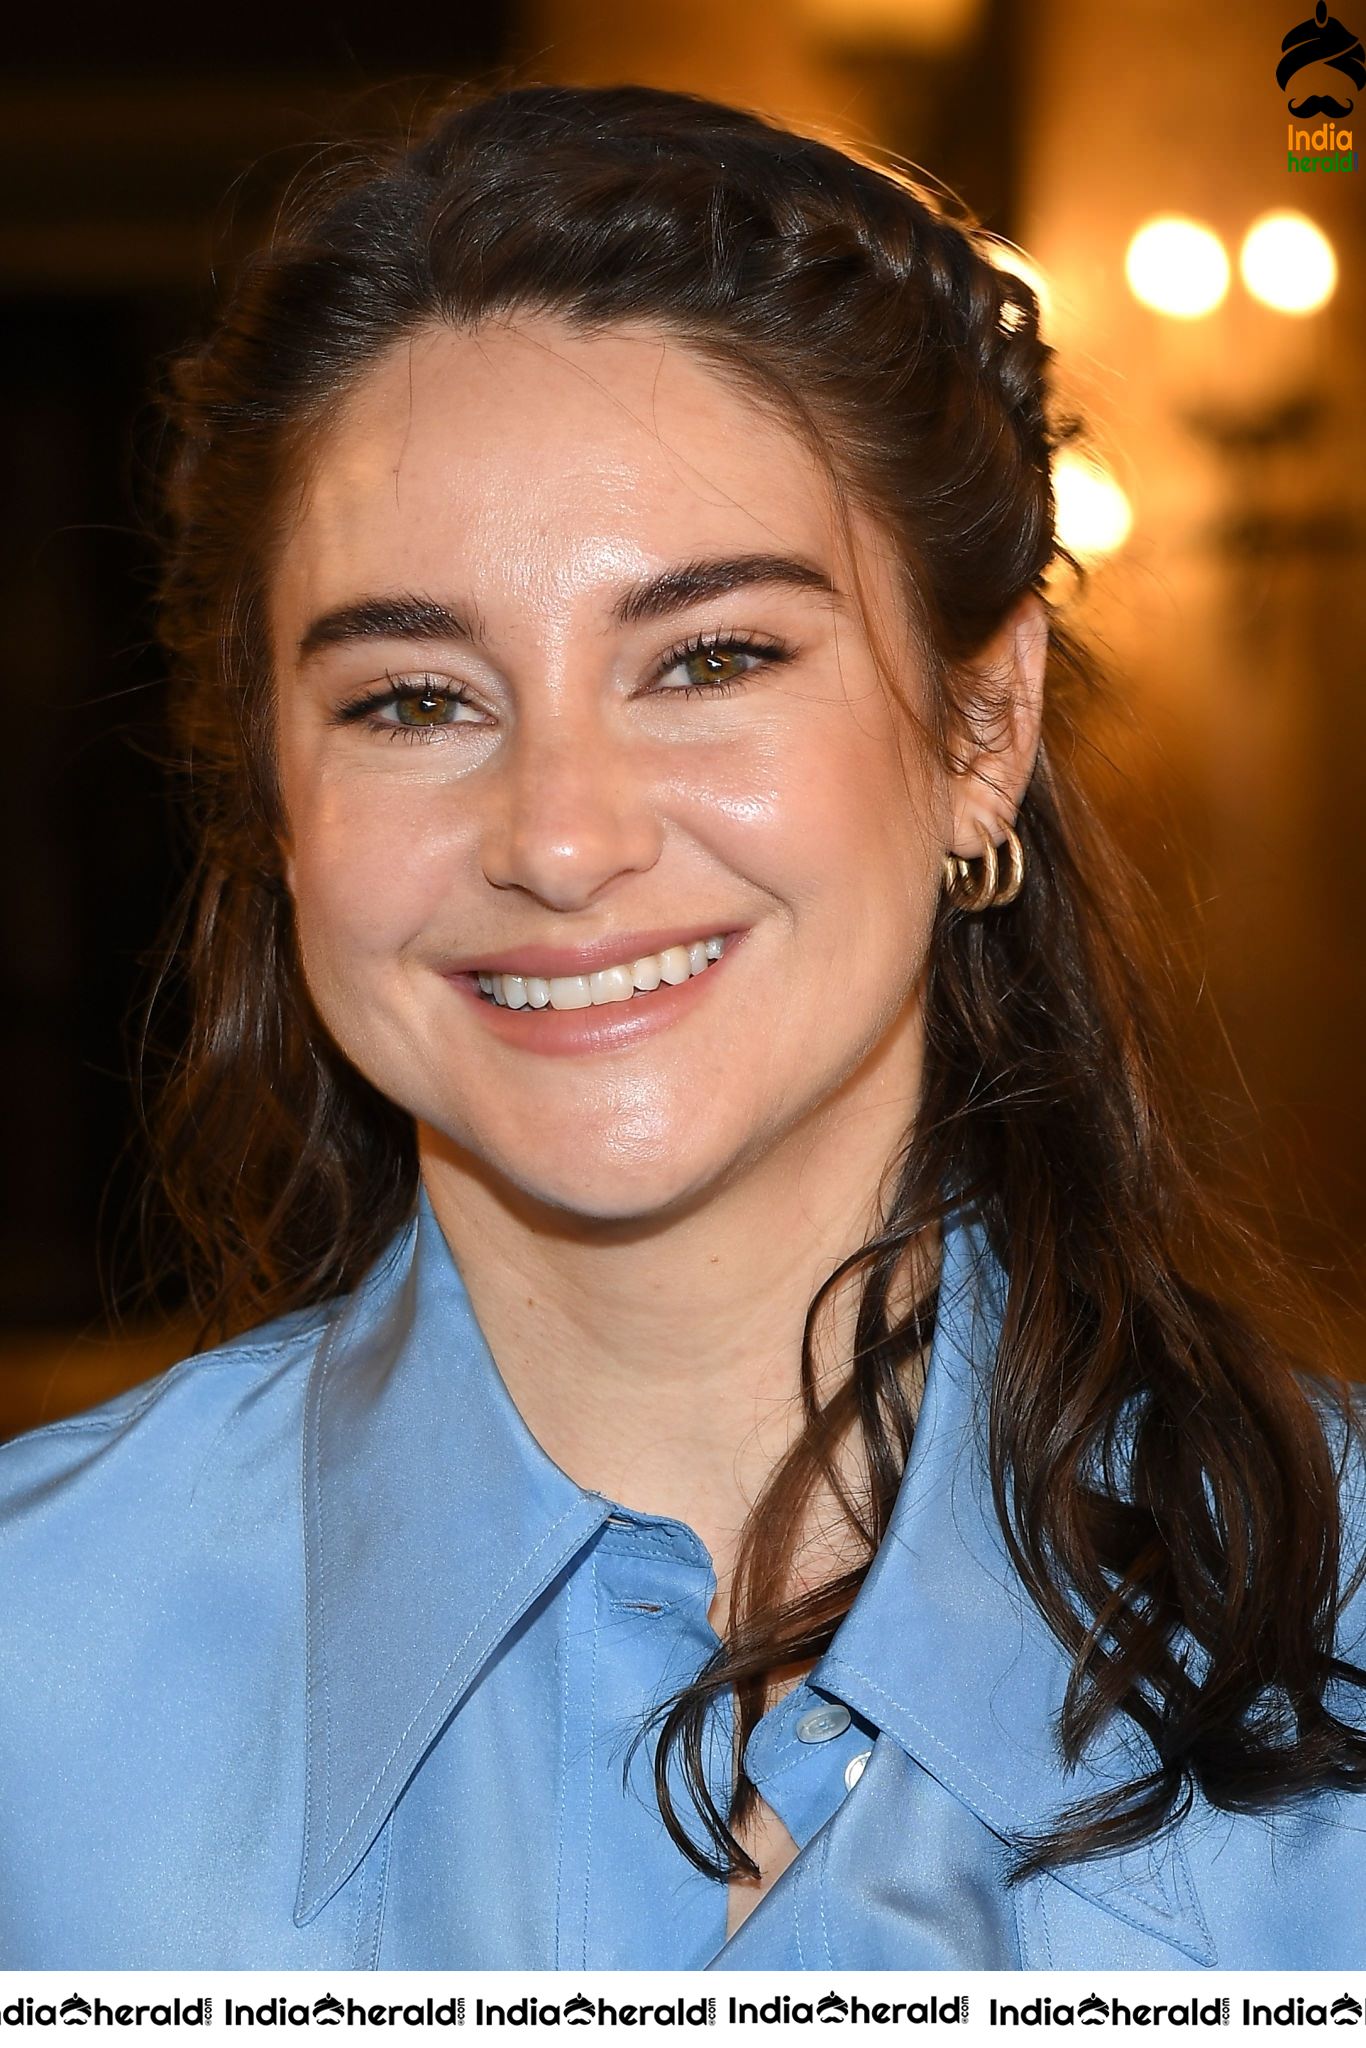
<point x="1323" y="39"/>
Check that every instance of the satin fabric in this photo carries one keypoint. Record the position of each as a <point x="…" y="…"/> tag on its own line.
<point x="312" y="1658"/>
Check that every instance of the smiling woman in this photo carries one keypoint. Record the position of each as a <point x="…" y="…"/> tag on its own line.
<point x="630" y="732"/>
<point x="730" y="1442"/>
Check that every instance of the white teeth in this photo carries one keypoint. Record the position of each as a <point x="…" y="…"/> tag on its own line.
<point x="612" y="985"/>
<point x="675" y="965"/>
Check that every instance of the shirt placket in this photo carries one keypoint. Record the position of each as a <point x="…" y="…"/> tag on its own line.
<point x="806" y="1756"/>
<point x="636" y="1630"/>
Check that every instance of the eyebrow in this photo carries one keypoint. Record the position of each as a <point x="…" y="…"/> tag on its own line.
<point x="408" y="616"/>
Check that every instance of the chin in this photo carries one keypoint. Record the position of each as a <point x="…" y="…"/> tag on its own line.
<point x="598" y="1183"/>
<point x="607" y="1191"/>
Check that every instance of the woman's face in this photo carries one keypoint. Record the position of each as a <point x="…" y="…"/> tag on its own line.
<point x="571" y="682"/>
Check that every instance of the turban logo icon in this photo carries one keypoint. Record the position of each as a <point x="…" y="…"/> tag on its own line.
<point x="1322" y="40"/>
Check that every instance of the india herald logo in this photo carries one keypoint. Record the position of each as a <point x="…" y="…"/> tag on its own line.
<point x="1323" y="40"/>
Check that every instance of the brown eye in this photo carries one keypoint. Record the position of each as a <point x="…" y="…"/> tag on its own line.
<point x="715" y="664"/>
<point x="412" y="707"/>
<point x="424" y="707"/>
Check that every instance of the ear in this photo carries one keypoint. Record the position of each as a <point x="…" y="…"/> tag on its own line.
<point x="1005" y="718"/>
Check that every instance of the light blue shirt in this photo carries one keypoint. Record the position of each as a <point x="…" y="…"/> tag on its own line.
<point x="313" y="1659"/>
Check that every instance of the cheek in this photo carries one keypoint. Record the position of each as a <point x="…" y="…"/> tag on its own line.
<point x="371" y="864"/>
<point x="836" y="825"/>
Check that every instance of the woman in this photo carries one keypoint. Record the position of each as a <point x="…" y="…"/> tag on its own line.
<point x="722" y="1453"/>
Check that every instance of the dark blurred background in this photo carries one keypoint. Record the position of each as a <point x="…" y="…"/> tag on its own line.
<point x="1220" y="508"/>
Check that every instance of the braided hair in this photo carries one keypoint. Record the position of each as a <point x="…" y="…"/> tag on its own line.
<point x="1161" y="1477"/>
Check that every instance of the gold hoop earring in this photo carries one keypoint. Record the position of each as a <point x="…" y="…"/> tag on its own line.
<point x="1015" y="867"/>
<point x="990" y="893"/>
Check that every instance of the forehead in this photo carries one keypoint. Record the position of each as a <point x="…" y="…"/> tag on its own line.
<point x="541" y="465"/>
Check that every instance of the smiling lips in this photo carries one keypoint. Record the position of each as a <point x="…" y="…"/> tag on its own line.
<point x="623" y="989"/>
<point x="615" y="984"/>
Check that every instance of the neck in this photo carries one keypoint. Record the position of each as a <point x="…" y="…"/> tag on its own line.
<point x="659" y="1363"/>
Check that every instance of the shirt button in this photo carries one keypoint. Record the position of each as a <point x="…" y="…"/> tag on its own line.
<point x="853" y="1770"/>
<point x="820" y="1724"/>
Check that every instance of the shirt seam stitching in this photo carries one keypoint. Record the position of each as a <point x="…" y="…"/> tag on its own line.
<point x="592" y="1756"/>
<point x="1190" y="1902"/>
<point x="820" y="1901"/>
<point x="383" y="1848"/>
<point x="315" y="1625"/>
<point x="105" y="1425"/>
<point x="435" y="1688"/>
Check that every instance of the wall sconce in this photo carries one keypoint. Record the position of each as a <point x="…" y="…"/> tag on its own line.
<point x="1178" y="267"/>
<point x="1288" y="263"/>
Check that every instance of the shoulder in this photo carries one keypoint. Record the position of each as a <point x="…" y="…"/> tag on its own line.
<point x="233" y="1405"/>
<point x="148" y="1540"/>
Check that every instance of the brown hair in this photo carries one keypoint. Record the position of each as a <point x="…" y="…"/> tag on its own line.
<point x="1166" y="1485"/>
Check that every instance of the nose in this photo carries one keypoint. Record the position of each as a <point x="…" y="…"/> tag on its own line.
<point x="571" y="813"/>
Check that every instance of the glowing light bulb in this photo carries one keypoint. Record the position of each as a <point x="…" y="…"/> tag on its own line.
<point x="1177" y="267"/>
<point x="1287" y="262"/>
<point x="1094" y="517"/>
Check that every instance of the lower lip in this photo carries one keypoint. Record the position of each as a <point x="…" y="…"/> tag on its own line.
<point x="605" y="1027"/>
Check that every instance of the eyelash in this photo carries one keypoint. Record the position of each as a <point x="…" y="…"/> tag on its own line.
<point x="769" y="652"/>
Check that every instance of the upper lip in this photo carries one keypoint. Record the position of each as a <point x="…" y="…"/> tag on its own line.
<point x="549" y="962"/>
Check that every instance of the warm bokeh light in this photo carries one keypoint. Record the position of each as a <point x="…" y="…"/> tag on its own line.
<point x="1007" y="257"/>
<point x="1094" y="517"/>
<point x="1177" y="267"/>
<point x="1287" y="262"/>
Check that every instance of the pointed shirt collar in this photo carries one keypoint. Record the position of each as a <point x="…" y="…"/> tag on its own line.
<point x="433" y="1520"/>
